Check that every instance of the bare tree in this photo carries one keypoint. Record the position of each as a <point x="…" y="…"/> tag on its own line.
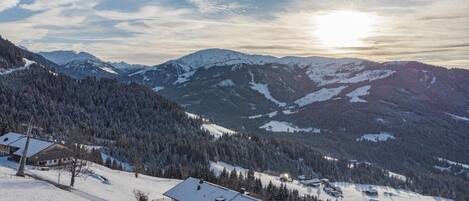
<point x="138" y="166"/>
<point x="78" y="166"/>
<point x="140" y="195"/>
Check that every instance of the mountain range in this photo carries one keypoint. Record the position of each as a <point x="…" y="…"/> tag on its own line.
<point x="345" y="106"/>
<point x="403" y="116"/>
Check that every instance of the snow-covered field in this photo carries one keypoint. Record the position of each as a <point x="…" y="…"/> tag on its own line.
<point x="323" y="94"/>
<point x="158" y="88"/>
<point x="380" y="137"/>
<point x="457" y="117"/>
<point x="351" y="192"/>
<point x="466" y="166"/>
<point x="281" y="126"/>
<point x="264" y="90"/>
<point x="270" y="115"/>
<point x="369" y="75"/>
<point x="214" y="129"/>
<point x="13" y="188"/>
<point x="120" y="187"/>
<point x="9" y="71"/>
<point x="359" y="92"/>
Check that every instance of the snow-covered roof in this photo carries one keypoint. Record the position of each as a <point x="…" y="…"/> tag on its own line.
<point x="19" y="140"/>
<point x="192" y="189"/>
<point x="10" y="138"/>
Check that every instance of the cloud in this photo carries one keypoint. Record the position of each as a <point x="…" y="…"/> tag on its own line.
<point x="216" y="6"/>
<point x="150" y="33"/>
<point x="40" y="5"/>
<point x="7" y="4"/>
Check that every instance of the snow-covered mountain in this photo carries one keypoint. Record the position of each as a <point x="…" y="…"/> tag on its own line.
<point x="62" y="57"/>
<point x="332" y="101"/>
<point x="83" y="64"/>
<point x="128" y="68"/>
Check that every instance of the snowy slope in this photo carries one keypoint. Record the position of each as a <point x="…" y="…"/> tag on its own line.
<point x="63" y="57"/>
<point x="321" y="95"/>
<point x="351" y="192"/>
<point x="380" y="137"/>
<point x="9" y="71"/>
<point x="120" y="187"/>
<point x="14" y="188"/>
<point x="281" y="126"/>
<point x="359" y="92"/>
<point x="214" y="129"/>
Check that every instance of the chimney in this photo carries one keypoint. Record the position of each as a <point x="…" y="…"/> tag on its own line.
<point x="243" y="190"/>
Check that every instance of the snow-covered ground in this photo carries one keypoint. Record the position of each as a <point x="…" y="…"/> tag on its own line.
<point x="281" y="126"/>
<point x="13" y="188"/>
<point x="359" y="92"/>
<point x="397" y="176"/>
<point x="184" y="77"/>
<point x="270" y="115"/>
<point x="226" y="83"/>
<point x="457" y="117"/>
<point x="466" y="166"/>
<point x="369" y="75"/>
<point x="214" y="129"/>
<point x="323" y="94"/>
<point x="351" y="192"/>
<point x="158" y="88"/>
<point x="120" y="187"/>
<point x="11" y="70"/>
<point x="109" y="70"/>
<point x="380" y="137"/>
<point x="264" y="90"/>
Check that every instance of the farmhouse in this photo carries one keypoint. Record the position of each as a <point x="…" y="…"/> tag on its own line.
<point x="40" y="152"/>
<point x="193" y="189"/>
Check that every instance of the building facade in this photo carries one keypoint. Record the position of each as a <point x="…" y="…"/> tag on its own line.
<point x="40" y="152"/>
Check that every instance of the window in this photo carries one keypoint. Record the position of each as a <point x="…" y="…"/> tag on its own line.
<point x="6" y="139"/>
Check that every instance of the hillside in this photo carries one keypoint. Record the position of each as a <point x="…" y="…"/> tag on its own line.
<point x="331" y="104"/>
<point x="119" y="185"/>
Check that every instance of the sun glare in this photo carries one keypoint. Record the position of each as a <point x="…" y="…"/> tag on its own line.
<point x="343" y="29"/>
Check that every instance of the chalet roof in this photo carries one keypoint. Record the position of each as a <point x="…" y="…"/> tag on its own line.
<point x="19" y="140"/>
<point x="192" y="190"/>
<point x="53" y="152"/>
<point x="10" y="138"/>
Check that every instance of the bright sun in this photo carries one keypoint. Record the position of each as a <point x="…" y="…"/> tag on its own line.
<point x="343" y="28"/>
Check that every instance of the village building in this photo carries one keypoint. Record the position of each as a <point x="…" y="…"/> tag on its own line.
<point x="40" y="152"/>
<point x="312" y="182"/>
<point x="193" y="189"/>
<point x="285" y="177"/>
<point x="371" y="191"/>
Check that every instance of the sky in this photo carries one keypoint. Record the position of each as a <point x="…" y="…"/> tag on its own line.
<point x="153" y="31"/>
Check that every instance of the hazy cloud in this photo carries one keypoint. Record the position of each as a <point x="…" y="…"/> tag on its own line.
<point x="151" y="32"/>
<point x="7" y="4"/>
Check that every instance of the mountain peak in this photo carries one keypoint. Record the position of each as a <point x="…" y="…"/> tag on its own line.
<point x="62" y="57"/>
